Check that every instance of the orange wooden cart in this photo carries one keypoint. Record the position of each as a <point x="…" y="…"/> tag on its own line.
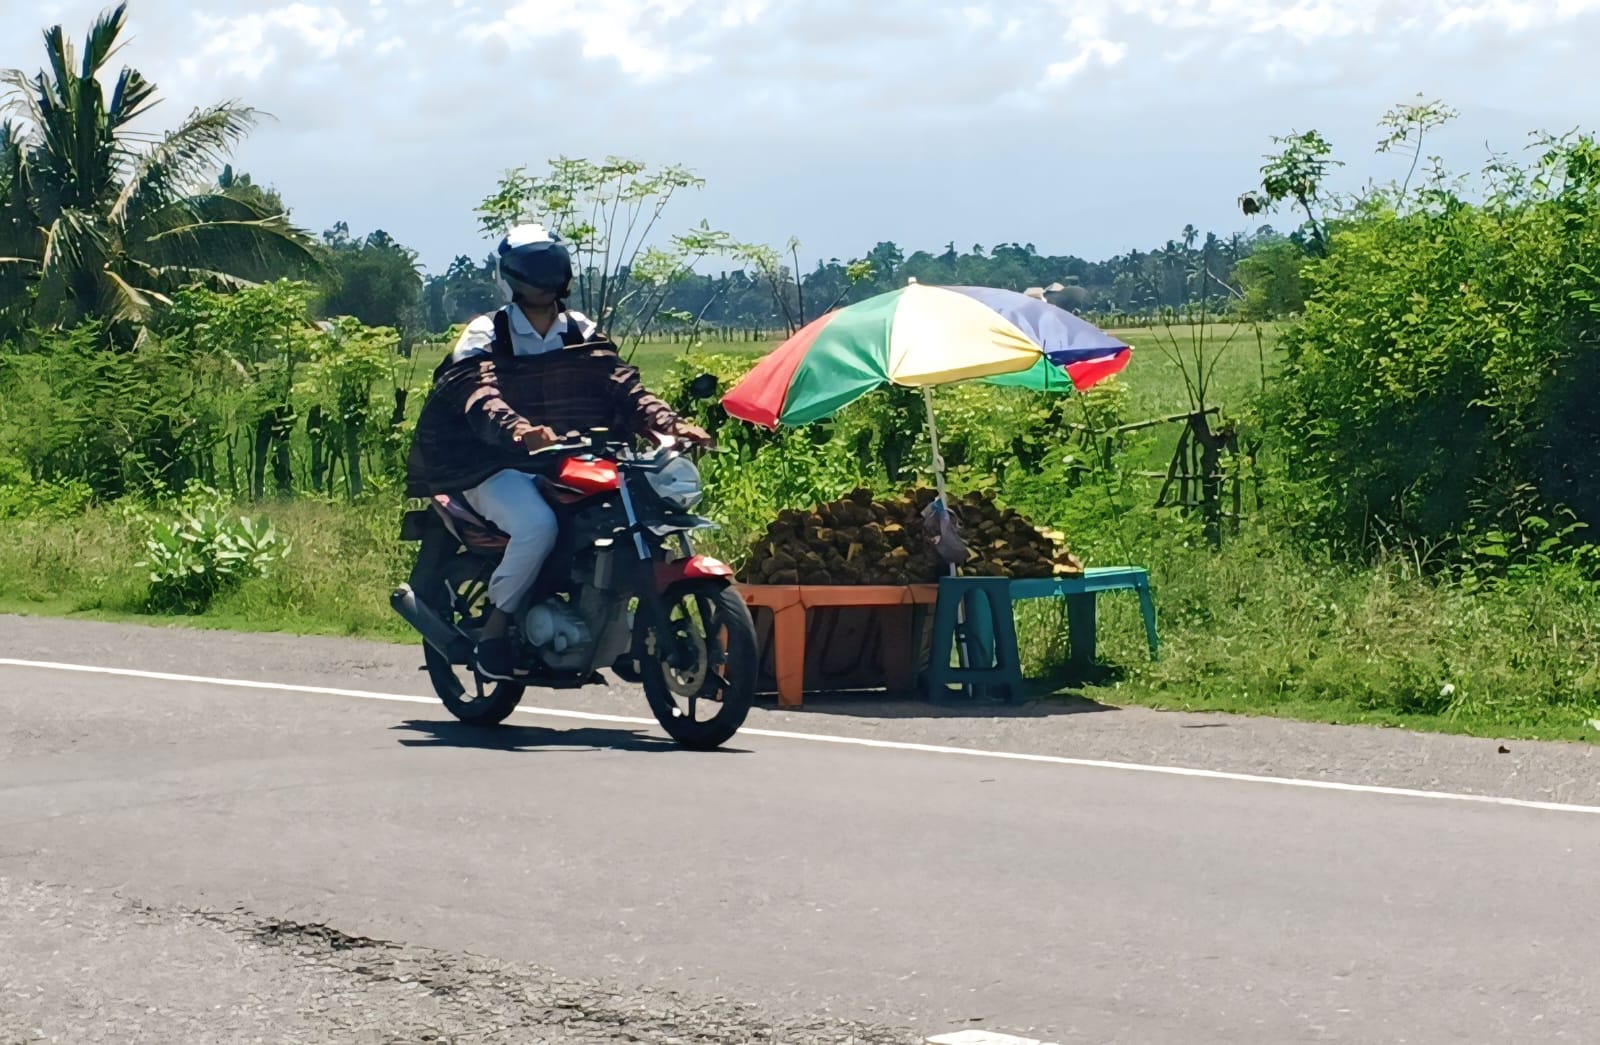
<point x="892" y="608"/>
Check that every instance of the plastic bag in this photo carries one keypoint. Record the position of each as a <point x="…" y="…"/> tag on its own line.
<point x="943" y="528"/>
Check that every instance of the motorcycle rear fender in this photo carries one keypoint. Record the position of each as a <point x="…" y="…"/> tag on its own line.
<point x="694" y="568"/>
<point x="414" y="525"/>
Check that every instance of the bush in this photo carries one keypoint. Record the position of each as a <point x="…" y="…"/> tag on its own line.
<point x="746" y="491"/>
<point x="1441" y="381"/>
<point x="23" y="497"/>
<point x="238" y="390"/>
<point x="204" y="552"/>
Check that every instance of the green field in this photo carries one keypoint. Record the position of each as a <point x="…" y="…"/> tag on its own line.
<point x="1235" y="356"/>
<point x="1162" y="379"/>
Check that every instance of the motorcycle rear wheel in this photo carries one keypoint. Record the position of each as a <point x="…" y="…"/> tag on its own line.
<point x="483" y="704"/>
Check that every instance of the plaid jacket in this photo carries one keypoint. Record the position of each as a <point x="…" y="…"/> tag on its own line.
<point x="469" y="425"/>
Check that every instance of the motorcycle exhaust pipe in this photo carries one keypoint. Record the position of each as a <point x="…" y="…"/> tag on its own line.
<point x="434" y="631"/>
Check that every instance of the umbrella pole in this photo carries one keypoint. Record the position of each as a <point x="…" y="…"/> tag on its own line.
<point x="938" y="485"/>
<point x="938" y="458"/>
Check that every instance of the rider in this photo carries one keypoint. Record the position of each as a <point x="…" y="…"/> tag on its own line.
<point x="519" y="379"/>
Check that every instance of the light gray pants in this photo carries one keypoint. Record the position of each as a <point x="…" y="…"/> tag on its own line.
<point x="512" y="502"/>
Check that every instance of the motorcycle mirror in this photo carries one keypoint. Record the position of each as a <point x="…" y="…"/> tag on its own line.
<point x="703" y="387"/>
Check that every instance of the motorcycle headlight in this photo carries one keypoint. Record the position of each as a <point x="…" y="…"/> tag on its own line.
<point x="677" y="484"/>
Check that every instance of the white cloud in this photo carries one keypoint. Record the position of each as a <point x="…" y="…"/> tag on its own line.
<point x="637" y="34"/>
<point x="1102" y="52"/>
<point x="249" y="44"/>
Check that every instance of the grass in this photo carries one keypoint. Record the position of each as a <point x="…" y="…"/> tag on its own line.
<point x="343" y="564"/>
<point x="655" y="358"/>
<point x="1255" y="629"/>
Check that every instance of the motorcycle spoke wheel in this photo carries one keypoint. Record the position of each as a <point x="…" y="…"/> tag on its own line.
<point x="467" y="695"/>
<point x="699" y="670"/>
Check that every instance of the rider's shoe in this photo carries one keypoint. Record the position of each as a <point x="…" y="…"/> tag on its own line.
<point x="496" y="659"/>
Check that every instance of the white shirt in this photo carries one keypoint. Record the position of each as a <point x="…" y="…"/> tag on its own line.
<point x="478" y="338"/>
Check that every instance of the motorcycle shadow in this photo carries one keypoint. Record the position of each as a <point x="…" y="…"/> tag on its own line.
<point x="450" y="733"/>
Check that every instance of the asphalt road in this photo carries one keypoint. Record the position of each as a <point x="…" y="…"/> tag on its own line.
<point x="184" y="861"/>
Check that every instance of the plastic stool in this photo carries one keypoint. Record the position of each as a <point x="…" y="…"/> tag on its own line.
<point x="990" y="638"/>
<point x="1080" y="593"/>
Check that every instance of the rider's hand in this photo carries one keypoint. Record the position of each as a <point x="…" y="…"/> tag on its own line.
<point x="691" y="433"/>
<point x="536" y="437"/>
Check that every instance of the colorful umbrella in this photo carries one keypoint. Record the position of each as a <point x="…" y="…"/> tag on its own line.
<point x="921" y="336"/>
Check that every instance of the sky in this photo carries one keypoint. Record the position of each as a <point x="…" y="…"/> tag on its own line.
<point x="1085" y="127"/>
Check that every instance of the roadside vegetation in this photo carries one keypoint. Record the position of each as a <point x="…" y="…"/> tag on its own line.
<point x="1359" y="458"/>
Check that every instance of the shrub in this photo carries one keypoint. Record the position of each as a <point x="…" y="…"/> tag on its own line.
<point x="1441" y="381"/>
<point x="23" y="497"/>
<point x="204" y="552"/>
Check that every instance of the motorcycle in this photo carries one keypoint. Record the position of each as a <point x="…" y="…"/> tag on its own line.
<point x="624" y="590"/>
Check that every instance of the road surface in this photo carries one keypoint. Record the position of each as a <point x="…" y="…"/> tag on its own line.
<point x="189" y="860"/>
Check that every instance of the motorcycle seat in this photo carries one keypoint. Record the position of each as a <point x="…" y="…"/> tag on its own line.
<point x="474" y="530"/>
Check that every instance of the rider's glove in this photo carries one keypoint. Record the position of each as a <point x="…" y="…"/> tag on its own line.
<point x="694" y="434"/>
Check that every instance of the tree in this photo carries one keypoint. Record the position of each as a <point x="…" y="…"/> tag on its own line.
<point x="1270" y="279"/>
<point x="103" y="224"/>
<point x="242" y="186"/>
<point x="464" y="290"/>
<point x="609" y="211"/>
<point x="788" y="294"/>
<point x="887" y="260"/>
<point x="1296" y="174"/>
<point x="1439" y="391"/>
<point x="374" y="279"/>
<point x="1407" y="125"/>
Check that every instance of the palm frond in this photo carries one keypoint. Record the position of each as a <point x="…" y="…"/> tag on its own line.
<point x="59" y="52"/>
<point x="68" y="240"/>
<point x="101" y="43"/>
<point x="73" y="256"/>
<point x="225" y="206"/>
<point x="13" y="172"/>
<point x="19" y="232"/>
<point x="21" y="96"/>
<point x="76" y="155"/>
<point x="166" y="172"/>
<point x="133" y="97"/>
<point x="185" y="275"/>
<point x="17" y="277"/>
<point x="257" y="249"/>
<point x="132" y="305"/>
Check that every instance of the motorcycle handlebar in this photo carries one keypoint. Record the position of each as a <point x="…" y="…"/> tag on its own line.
<point x="601" y="438"/>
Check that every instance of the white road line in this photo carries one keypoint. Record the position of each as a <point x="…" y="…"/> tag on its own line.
<point x="980" y="1037"/>
<point x="824" y="738"/>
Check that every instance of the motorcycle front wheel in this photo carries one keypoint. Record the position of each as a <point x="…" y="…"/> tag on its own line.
<point x="698" y="672"/>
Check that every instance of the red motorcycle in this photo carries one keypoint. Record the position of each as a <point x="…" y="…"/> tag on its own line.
<point x="623" y="590"/>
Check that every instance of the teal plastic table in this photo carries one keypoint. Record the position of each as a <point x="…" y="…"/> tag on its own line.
<point x="990" y="626"/>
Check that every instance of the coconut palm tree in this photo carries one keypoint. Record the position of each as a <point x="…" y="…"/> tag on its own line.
<point x="100" y="221"/>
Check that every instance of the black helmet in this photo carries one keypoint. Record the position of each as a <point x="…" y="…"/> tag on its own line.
<point x="533" y="258"/>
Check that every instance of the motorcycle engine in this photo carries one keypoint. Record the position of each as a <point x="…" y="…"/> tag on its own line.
<point x="561" y="636"/>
